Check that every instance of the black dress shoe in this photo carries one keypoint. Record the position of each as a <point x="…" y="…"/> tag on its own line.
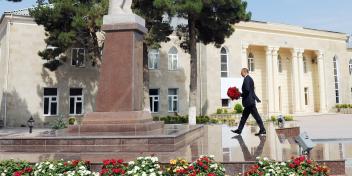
<point x="260" y="133"/>
<point x="236" y="131"/>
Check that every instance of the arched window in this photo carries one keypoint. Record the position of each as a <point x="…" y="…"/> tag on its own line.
<point x="350" y="66"/>
<point x="251" y="62"/>
<point x="336" y="78"/>
<point x="173" y="59"/>
<point x="153" y="59"/>
<point x="224" y="62"/>
<point x="279" y="63"/>
<point x="304" y="64"/>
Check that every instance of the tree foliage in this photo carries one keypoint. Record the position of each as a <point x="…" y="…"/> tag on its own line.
<point x="70" y="23"/>
<point x="208" y="21"/>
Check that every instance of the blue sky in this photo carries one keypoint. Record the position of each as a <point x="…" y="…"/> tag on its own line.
<point x="333" y="15"/>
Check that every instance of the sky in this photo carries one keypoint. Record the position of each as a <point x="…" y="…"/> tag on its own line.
<point x="332" y="15"/>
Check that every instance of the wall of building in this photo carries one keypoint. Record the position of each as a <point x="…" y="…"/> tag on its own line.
<point x="28" y="78"/>
<point x="3" y="64"/>
<point x="164" y="79"/>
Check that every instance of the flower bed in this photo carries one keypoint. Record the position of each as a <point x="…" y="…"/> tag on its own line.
<point x="149" y="166"/>
<point x="299" y="166"/>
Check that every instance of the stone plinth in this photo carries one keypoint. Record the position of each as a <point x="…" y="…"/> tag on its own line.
<point x="121" y="73"/>
<point x="288" y="132"/>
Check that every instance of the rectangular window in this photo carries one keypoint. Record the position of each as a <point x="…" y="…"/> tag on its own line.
<point x="153" y="59"/>
<point x="224" y="69"/>
<point x="173" y="100"/>
<point x="50" y="101"/>
<point x="77" y="57"/>
<point x="225" y="103"/>
<point x="154" y="100"/>
<point x="251" y="64"/>
<point x="305" y="65"/>
<point x="76" y="101"/>
<point x="279" y="63"/>
<point x="173" y="62"/>
<point x="306" y="94"/>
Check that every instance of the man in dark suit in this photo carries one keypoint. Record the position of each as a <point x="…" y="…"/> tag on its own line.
<point x="248" y="101"/>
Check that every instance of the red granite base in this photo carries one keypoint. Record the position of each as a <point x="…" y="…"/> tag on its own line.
<point x="124" y="121"/>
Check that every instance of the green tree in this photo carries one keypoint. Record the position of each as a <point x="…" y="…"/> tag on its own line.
<point x="70" y="23"/>
<point x="65" y="20"/>
<point x="159" y="30"/>
<point x="208" y="21"/>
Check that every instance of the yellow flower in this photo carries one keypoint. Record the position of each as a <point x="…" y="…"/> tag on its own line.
<point x="172" y="161"/>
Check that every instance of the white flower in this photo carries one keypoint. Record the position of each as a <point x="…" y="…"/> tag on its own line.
<point x="51" y="167"/>
<point x="151" y="170"/>
<point x="152" y="174"/>
<point x="265" y="159"/>
<point x="154" y="159"/>
<point x="144" y="174"/>
<point x="3" y="174"/>
<point x="131" y="163"/>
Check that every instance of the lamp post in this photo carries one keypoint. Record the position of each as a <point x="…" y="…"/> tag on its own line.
<point x="30" y="124"/>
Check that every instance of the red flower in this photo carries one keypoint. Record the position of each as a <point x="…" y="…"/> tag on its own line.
<point x="106" y="162"/>
<point x="120" y="161"/>
<point x="75" y="162"/>
<point x="28" y="170"/>
<point x="233" y="93"/>
<point x="292" y="165"/>
<point x="211" y="174"/>
<point x="205" y="167"/>
<point x="104" y="171"/>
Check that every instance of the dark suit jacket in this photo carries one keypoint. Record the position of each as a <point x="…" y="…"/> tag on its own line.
<point x="248" y="95"/>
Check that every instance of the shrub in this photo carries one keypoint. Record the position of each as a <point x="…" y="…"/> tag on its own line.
<point x="202" y="119"/>
<point x="219" y="111"/>
<point x="176" y="166"/>
<point x="71" y="120"/>
<point x="113" y="168"/>
<point x="225" y="111"/>
<point x="273" y="118"/>
<point x="61" y="167"/>
<point x="238" y="108"/>
<point x="59" y="124"/>
<point x="144" y="166"/>
<point x="345" y="106"/>
<point x="12" y="167"/>
<point x="297" y="166"/>
<point x="338" y="106"/>
<point x="288" y="118"/>
<point x="205" y="165"/>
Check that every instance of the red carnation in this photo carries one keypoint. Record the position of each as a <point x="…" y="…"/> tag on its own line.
<point x="233" y="93"/>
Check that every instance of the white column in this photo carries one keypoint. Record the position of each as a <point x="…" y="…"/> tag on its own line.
<point x="301" y="78"/>
<point x="321" y="74"/>
<point x="244" y="55"/>
<point x="269" y="75"/>
<point x="275" y="80"/>
<point x="295" y="81"/>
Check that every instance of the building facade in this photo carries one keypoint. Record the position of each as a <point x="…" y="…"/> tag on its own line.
<point x="295" y="69"/>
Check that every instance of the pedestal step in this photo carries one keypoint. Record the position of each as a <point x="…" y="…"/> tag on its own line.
<point x="85" y="143"/>
<point x="115" y="127"/>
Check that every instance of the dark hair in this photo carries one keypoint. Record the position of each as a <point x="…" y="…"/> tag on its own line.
<point x="245" y="70"/>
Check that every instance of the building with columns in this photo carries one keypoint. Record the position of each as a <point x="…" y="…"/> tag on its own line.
<point x="296" y="70"/>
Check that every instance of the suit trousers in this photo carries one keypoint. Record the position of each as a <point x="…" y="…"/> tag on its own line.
<point x="251" y="110"/>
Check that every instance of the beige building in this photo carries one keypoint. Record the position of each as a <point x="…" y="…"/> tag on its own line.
<point x="295" y="69"/>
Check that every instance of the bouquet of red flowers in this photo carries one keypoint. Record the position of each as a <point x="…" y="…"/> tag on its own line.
<point x="233" y="93"/>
